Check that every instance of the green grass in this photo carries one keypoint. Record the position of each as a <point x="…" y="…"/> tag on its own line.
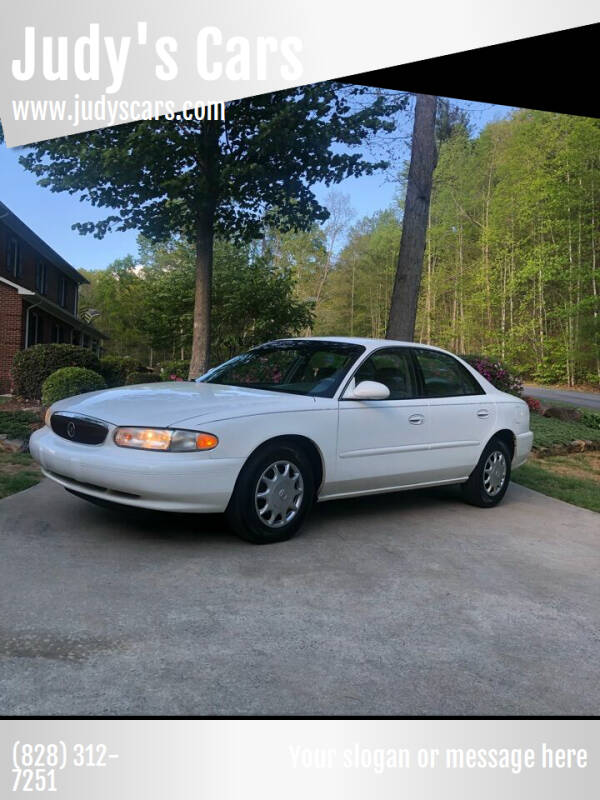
<point x="548" y="431"/>
<point x="18" y="471"/>
<point x="17" y="424"/>
<point x="577" y="490"/>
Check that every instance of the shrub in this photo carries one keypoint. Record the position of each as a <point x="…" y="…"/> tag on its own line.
<point x="18" y="424"/>
<point x="496" y="373"/>
<point x="175" y="370"/>
<point x="115" y="369"/>
<point x="534" y="404"/>
<point x="69" y="381"/>
<point x="142" y="377"/>
<point x="591" y="419"/>
<point x="32" y="366"/>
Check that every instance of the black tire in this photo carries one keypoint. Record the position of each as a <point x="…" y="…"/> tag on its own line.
<point x="482" y="491"/>
<point x="250" y="516"/>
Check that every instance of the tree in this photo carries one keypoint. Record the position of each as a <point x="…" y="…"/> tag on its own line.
<point x="231" y="177"/>
<point x="403" y="309"/>
<point x="117" y="293"/>
<point x="253" y="298"/>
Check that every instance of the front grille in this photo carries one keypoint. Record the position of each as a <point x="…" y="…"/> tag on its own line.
<point x="78" y="429"/>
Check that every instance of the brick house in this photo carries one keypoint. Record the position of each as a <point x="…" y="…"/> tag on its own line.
<point x="38" y="296"/>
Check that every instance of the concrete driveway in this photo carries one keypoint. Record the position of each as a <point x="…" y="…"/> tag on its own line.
<point x="548" y="396"/>
<point x="400" y="604"/>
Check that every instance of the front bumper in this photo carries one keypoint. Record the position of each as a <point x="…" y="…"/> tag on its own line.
<point x="188" y="482"/>
<point x="523" y="445"/>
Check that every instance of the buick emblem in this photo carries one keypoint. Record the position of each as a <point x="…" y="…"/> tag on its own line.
<point x="71" y="430"/>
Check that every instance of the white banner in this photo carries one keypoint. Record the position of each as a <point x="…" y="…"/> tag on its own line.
<point x="299" y="759"/>
<point x="68" y="66"/>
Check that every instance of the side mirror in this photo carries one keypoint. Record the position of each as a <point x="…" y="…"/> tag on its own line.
<point x="367" y="390"/>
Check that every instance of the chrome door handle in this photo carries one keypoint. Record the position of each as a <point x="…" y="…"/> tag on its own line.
<point x="483" y="412"/>
<point x="416" y="419"/>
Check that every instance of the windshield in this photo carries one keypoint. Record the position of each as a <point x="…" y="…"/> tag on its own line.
<point x="308" y="367"/>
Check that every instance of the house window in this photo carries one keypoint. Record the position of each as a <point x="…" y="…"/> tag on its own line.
<point x="13" y="258"/>
<point x="62" y="292"/>
<point x="35" y="333"/>
<point x="86" y="340"/>
<point x="58" y="334"/>
<point x="41" y="277"/>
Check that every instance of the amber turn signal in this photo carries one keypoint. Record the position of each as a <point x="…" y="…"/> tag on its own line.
<point x="206" y="441"/>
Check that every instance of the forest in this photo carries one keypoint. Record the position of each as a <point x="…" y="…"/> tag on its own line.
<point x="510" y="268"/>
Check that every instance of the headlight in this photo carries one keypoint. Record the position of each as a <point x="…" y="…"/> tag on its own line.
<point x="47" y="417"/>
<point x="163" y="439"/>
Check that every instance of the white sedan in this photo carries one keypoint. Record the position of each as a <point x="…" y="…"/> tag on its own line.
<point x="266" y="434"/>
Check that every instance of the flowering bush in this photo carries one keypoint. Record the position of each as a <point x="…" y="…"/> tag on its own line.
<point x="175" y="370"/>
<point x="534" y="404"/>
<point x="496" y="373"/>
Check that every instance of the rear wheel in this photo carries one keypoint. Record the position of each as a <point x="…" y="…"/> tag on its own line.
<point x="489" y="480"/>
<point x="273" y="495"/>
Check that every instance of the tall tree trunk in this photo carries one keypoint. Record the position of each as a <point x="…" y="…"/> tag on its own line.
<point x="204" y="261"/>
<point x="428" y="296"/>
<point x="352" y="296"/>
<point x="405" y="296"/>
<point x="207" y="159"/>
<point x="594" y="286"/>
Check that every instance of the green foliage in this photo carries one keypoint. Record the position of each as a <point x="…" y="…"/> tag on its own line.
<point x="162" y="174"/>
<point x="254" y="302"/>
<point x="70" y="381"/>
<point x="32" y="366"/>
<point x="142" y="377"/>
<point x="512" y="246"/>
<point x="232" y="178"/>
<point x="540" y="476"/>
<point x="548" y="431"/>
<point x="117" y="292"/>
<point x="496" y="373"/>
<point x="18" y="424"/>
<point x="115" y="369"/>
<point x="358" y="292"/>
<point x="18" y="472"/>
<point x="173" y="370"/>
<point x="511" y="263"/>
<point x="254" y="299"/>
<point x="590" y="418"/>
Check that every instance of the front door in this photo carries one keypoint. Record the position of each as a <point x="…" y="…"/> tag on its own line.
<point x="383" y="444"/>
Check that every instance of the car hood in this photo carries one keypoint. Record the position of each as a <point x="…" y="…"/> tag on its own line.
<point x="165" y="404"/>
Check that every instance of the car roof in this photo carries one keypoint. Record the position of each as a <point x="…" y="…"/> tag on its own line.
<point x="370" y="344"/>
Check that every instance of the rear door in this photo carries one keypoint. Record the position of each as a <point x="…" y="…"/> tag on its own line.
<point x="462" y="417"/>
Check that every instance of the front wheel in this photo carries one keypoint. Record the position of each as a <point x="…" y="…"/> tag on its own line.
<point x="489" y="480"/>
<point x="272" y="496"/>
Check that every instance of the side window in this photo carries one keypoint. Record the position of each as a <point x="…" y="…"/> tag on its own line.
<point x="444" y="376"/>
<point x="41" y="274"/>
<point x="13" y="258"/>
<point x="62" y="292"/>
<point x="393" y="368"/>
